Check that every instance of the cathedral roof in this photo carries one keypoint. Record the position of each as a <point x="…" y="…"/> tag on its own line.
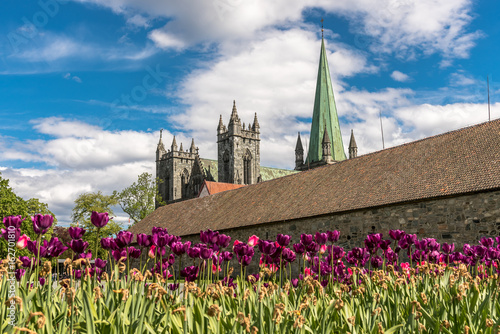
<point x="267" y="173"/>
<point x="460" y="162"/>
<point x="324" y="115"/>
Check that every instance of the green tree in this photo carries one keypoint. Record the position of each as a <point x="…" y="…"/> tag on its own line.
<point x="13" y="205"/>
<point x="84" y="205"/>
<point x="138" y="200"/>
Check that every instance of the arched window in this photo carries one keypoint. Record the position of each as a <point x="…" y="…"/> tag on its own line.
<point x="225" y="159"/>
<point x="185" y="183"/>
<point x="247" y="168"/>
<point x="166" y="188"/>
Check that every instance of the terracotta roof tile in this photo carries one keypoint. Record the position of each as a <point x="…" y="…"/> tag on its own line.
<point x="457" y="162"/>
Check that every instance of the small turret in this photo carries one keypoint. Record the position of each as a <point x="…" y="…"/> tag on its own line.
<point x="299" y="153"/>
<point x="234" y="115"/>
<point x="220" y="128"/>
<point x="353" y="148"/>
<point x="160" y="149"/>
<point x="181" y="149"/>
<point x="255" y="126"/>
<point x="192" y="149"/>
<point x="174" y="145"/>
<point x="327" y="147"/>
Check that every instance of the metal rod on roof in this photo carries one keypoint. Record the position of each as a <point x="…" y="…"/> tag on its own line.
<point x="488" y="82"/>
<point x="382" y="129"/>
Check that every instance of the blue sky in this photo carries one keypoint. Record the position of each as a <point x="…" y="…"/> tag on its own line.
<point x="86" y="85"/>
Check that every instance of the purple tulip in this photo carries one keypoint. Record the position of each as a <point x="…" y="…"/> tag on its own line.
<point x="42" y="223"/>
<point x="77" y="274"/>
<point x="157" y="230"/>
<point x="487" y="242"/>
<point x="99" y="220"/>
<point x="190" y="273"/>
<point x="313" y="247"/>
<point x="19" y="274"/>
<point x="134" y="252"/>
<point x="206" y="253"/>
<point x="396" y="234"/>
<point x="87" y="255"/>
<point x="109" y="244"/>
<point x="227" y="256"/>
<point x="223" y="241"/>
<point x="321" y="238"/>
<point x="384" y="244"/>
<point x="42" y="281"/>
<point x="160" y="239"/>
<point x="295" y="282"/>
<point x="267" y="247"/>
<point x="448" y="248"/>
<point x="299" y="248"/>
<point x="101" y="264"/>
<point x="390" y="256"/>
<point x="376" y="261"/>
<point x="124" y="238"/>
<point x="333" y="236"/>
<point x="11" y="234"/>
<point x="178" y="248"/>
<point x="76" y="232"/>
<point x="193" y="252"/>
<point x="143" y="240"/>
<point x="14" y="221"/>
<point x="173" y="286"/>
<point x="433" y="245"/>
<point x="283" y="239"/>
<point x="55" y="248"/>
<point x="306" y="239"/>
<point x="288" y="255"/>
<point x="245" y="260"/>
<point x="335" y="252"/>
<point x="78" y="246"/>
<point x="118" y="254"/>
<point x="372" y="242"/>
<point x="468" y="250"/>
<point x="434" y="256"/>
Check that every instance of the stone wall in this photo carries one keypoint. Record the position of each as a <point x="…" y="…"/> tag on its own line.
<point x="462" y="219"/>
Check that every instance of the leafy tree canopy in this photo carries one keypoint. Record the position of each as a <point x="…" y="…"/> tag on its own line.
<point x="13" y="205"/>
<point x="84" y="205"/>
<point x="138" y="200"/>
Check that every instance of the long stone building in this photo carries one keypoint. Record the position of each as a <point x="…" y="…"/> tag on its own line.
<point x="446" y="186"/>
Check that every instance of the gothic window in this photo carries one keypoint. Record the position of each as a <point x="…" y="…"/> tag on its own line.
<point x="167" y="189"/>
<point x="247" y="168"/>
<point x="185" y="183"/>
<point x="225" y="159"/>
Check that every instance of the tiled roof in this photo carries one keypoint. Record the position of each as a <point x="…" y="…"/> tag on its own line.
<point x="267" y="173"/>
<point x="457" y="162"/>
<point x="217" y="187"/>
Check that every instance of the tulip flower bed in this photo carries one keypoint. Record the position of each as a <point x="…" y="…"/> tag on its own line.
<point x="181" y="287"/>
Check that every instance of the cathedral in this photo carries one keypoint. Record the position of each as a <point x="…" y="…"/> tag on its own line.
<point x="182" y="173"/>
<point x="445" y="187"/>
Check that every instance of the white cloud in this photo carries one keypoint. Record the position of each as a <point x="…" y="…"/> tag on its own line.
<point x="400" y="76"/>
<point x="77" y="79"/>
<point x="395" y="26"/>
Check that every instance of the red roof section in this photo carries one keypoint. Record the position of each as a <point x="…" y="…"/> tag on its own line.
<point x="217" y="187"/>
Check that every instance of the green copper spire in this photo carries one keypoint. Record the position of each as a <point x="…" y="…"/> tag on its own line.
<point x="324" y="116"/>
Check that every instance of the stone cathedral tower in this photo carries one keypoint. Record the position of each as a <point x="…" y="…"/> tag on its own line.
<point x="238" y="150"/>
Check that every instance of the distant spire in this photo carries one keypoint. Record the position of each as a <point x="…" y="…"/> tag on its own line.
<point x="234" y="114"/>
<point x="353" y="148"/>
<point x="181" y="149"/>
<point x="192" y="149"/>
<point x="299" y="153"/>
<point x="174" y="145"/>
<point x="256" y="125"/>
<point x="220" y="127"/>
